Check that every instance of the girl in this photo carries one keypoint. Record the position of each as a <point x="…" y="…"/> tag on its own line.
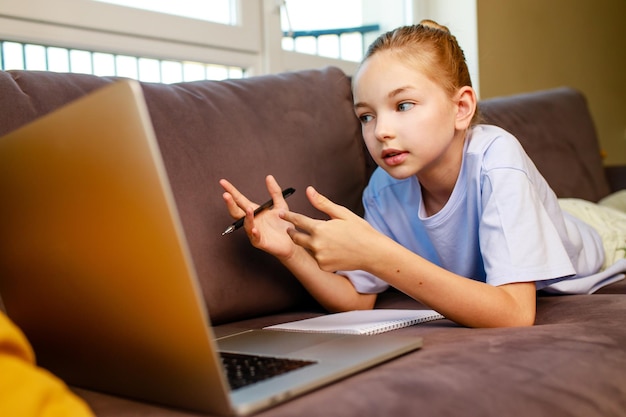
<point x="456" y="215"/>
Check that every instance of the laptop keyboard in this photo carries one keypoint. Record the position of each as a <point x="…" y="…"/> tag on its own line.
<point x="244" y="369"/>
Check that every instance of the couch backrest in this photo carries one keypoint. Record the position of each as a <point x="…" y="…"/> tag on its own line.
<point x="556" y="130"/>
<point x="299" y="127"/>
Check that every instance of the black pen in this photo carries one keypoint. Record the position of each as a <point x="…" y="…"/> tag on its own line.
<point x="268" y="204"/>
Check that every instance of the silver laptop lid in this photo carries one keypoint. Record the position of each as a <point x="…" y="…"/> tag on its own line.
<point x="89" y="234"/>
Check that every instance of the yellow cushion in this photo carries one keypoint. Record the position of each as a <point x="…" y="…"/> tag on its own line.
<point x="609" y="222"/>
<point x="617" y="200"/>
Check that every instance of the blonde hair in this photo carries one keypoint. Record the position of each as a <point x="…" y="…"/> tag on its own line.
<point x="432" y="49"/>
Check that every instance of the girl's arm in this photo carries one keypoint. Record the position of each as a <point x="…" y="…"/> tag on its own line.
<point x="268" y="232"/>
<point x="465" y="301"/>
<point x="348" y="242"/>
<point x="333" y="291"/>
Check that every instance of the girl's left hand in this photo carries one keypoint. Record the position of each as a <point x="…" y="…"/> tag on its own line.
<point x="267" y="231"/>
<point x="342" y="243"/>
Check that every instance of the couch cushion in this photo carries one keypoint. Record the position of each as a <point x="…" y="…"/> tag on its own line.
<point x="556" y="130"/>
<point x="571" y="363"/>
<point x="297" y="126"/>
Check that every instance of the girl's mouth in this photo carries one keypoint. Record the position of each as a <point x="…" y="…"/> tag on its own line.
<point x="394" y="157"/>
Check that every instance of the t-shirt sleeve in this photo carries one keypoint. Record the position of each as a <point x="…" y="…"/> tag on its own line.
<point x="518" y="238"/>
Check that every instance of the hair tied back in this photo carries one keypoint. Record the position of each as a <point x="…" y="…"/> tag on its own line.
<point x="434" y="25"/>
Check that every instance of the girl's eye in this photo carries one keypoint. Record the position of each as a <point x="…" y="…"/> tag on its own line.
<point x="364" y="118"/>
<point x="405" y="106"/>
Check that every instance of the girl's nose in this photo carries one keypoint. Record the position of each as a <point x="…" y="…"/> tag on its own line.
<point x="384" y="130"/>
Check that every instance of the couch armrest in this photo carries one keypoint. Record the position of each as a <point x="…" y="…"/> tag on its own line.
<point x="616" y="176"/>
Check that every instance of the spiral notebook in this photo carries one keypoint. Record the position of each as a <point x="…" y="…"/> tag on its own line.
<point x="365" y="322"/>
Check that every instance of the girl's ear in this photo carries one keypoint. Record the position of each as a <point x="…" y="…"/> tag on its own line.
<point x="466" y="107"/>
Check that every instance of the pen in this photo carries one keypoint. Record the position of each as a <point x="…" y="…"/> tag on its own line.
<point x="268" y="204"/>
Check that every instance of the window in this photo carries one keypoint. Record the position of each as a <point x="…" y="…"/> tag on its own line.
<point x="15" y="55"/>
<point x="340" y="30"/>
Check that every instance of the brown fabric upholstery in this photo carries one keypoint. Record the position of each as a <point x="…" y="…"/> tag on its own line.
<point x="616" y="176"/>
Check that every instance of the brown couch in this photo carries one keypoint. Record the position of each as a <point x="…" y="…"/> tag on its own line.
<point x="301" y="128"/>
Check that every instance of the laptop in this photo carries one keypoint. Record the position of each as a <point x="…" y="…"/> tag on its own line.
<point x="95" y="269"/>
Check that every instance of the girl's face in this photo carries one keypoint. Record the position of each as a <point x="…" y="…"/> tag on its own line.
<point x="409" y="122"/>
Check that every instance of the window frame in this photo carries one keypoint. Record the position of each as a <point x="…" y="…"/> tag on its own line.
<point x="104" y="27"/>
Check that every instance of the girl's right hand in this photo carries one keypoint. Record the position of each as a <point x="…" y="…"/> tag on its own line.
<point x="267" y="231"/>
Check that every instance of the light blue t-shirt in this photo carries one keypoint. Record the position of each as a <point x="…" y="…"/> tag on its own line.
<point x="502" y="223"/>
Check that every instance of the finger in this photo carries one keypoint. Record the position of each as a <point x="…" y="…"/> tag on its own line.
<point x="299" y="238"/>
<point x="233" y="209"/>
<point x="301" y="221"/>
<point x="323" y="204"/>
<point x="240" y="200"/>
<point x="275" y="191"/>
<point x="249" y="226"/>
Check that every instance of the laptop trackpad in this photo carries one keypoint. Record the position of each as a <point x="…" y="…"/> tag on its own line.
<point x="273" y="342"/>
